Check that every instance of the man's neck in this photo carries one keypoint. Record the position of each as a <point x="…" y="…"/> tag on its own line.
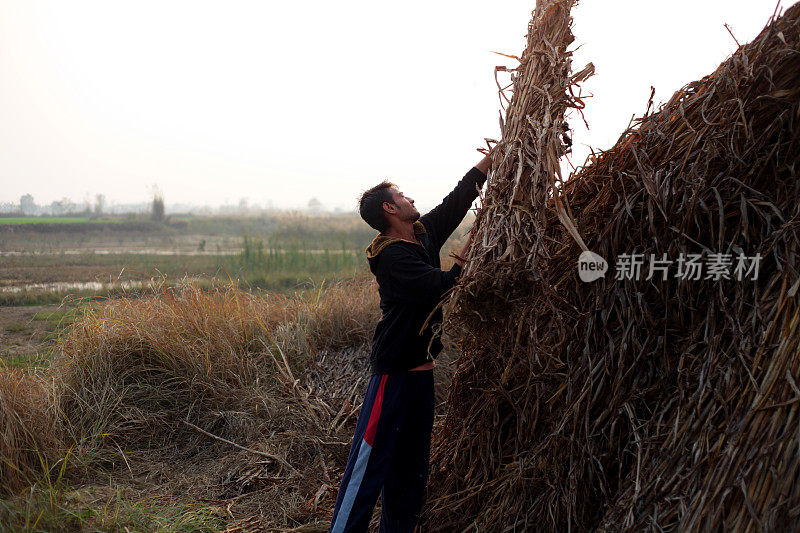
<point x="405" y="232"/>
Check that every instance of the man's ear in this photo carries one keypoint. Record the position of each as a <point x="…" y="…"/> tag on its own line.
<point x="390" y="207"/>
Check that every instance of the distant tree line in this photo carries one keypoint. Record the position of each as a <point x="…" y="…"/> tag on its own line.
<point x="156" y="208"/>
<point x="27" y="206"/>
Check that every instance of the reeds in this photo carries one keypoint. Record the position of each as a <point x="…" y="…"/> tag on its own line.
<point x="29" y="438"/>
<point x="134" y="368"/>
<point x="631" y="404"/>
<point x="179" y="373"/>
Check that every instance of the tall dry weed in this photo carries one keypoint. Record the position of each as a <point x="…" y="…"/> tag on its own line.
<point x="29" y="441"/>
<point x="133" y="370"/>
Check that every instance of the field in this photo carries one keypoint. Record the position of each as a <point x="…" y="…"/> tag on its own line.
<point x="138" y="356"/>
<point x="43" y="263"/>
<point x="47" y="264"/>
<point x="47" y="220"/>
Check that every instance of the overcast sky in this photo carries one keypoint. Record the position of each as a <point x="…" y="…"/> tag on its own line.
<point x="282" y="101"/>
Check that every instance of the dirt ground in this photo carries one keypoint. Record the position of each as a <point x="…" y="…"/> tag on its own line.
<point x="26" y="332"/>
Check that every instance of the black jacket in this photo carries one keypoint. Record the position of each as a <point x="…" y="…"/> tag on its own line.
<point x="411" y="282"/>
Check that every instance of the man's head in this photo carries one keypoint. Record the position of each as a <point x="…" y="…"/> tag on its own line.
<point x="385" y="205"/>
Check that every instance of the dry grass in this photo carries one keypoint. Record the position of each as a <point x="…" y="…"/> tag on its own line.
<point x="632" y="404"/>
<point x="132" y="369"/>
<point x="29" y="443"/>
<point x="213" y="392"/>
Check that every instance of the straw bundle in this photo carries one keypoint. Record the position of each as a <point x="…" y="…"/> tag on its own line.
<point x="632" y="403"/>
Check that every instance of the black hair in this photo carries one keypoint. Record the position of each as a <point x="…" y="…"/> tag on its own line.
<point x="370" y="205"/>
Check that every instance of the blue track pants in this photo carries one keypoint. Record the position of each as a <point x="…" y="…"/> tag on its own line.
<point x="390" y="454"/>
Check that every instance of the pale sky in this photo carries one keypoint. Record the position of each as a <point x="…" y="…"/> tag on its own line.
<point x="282" y="101"/>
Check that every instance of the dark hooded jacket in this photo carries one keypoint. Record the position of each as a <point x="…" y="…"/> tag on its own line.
<point x="411" y="282"/>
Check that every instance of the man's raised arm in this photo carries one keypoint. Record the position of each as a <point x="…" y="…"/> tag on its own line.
<point x="442" y="220"/>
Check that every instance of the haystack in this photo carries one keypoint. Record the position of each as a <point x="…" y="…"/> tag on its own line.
<point x="631" y="403"/>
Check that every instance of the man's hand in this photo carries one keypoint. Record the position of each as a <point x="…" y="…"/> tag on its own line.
<point x="486" y="163"/>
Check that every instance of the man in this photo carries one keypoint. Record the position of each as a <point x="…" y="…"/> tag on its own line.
<point x="391" y="447"/>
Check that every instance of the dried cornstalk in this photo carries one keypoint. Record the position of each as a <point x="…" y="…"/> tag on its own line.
<point x="630" y="404"/>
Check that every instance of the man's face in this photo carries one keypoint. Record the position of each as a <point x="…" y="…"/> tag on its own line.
<point x="404" y="206"/>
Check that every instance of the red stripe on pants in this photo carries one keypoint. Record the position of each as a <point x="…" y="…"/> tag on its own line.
<point x="375" y="414"/>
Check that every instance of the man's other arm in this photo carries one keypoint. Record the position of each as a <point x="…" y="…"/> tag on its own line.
<point x="443" y="219"/>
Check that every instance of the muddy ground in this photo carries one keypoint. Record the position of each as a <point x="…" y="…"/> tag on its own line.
<point x="26" y="333"/>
